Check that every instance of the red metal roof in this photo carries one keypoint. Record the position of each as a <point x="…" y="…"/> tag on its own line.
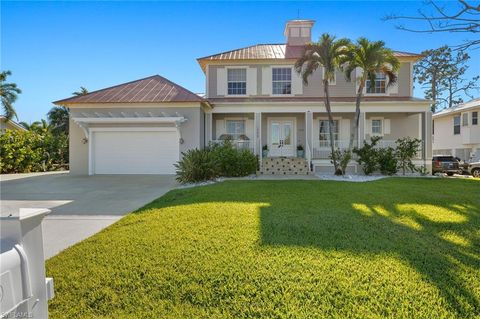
<point x="268" y="52"/>
<point x="153" y="89"/>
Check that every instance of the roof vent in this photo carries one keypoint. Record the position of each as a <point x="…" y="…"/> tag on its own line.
<point x="298" y="32"/>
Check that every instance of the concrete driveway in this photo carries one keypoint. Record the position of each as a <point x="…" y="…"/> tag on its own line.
<point x="81" y="205"/>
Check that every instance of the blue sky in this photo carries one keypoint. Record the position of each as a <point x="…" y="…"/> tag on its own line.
<point x="53" y="48"/>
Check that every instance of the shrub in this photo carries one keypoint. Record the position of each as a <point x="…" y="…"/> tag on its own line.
<point x="343" y="157"/>
<point x="196" y="166"/>
<point x="21" y="152"/>
<point x="406" y="150"/>
<point x="387" y="162"/>
<point x="368" y="155"/>
<point x="214" y="161"/>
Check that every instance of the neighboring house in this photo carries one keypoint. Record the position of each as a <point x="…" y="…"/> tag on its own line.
<point x="6" y="124"/>
<point x="456" y="131"/>
<point x="253" y="96"/>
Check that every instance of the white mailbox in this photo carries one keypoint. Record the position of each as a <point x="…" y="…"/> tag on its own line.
<point x="24" y="290"/>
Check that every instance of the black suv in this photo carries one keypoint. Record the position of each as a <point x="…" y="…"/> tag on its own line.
<point x="445" y="164"/>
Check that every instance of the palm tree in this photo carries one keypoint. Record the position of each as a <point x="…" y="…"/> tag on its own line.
<point x="83" y="91"/>
<point x="371" y="58"/>
<point x="8" y="94"/>
<point x="328" y="53"/>
<point x="58" y="117"/>
<point x="37" y="126"/>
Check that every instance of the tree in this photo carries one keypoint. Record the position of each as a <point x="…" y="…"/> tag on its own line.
<point x="8" y="94"/>
<point x="462" y="18"/>
<point x="370" y="58"/>
<point x="82" y="91"/>
<point x="37" y="126"/>
<point x="327" y="53"/>
<point x="441" y="74"/>
<point x="58" y="116"/>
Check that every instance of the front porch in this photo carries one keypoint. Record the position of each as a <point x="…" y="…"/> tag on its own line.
<point x="306" y="134"/>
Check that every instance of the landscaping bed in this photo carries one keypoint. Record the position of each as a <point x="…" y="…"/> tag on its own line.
<point x="396" y="247"/>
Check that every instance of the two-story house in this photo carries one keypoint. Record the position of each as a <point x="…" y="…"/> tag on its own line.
<point x="260" y="101"/>
<point x="254" y="97"/>
<point x="456" y="131"/>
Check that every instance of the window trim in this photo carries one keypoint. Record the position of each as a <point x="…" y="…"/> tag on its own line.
<point x="291" y="80"/>
<point x="476" y="117"/>
<point x="382" y="126"/>
<point x="459" y="124"/>
<point x="246" y="80"/>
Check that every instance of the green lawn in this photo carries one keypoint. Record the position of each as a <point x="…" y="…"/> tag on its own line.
<point x="395" y="248"/>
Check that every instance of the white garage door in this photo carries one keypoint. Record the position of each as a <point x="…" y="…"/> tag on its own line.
<point x="134" y="152"/>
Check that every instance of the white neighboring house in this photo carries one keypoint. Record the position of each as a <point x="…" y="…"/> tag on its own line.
<point x="456" y="131"/>
<point x="9" y="124"/>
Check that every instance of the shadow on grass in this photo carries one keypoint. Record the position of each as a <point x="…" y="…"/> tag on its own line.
<point x="436" y="232"/>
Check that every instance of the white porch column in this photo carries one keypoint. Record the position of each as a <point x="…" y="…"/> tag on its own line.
<point x="427" y="135"/>
<point x="257" y="134"/>
<point x="208" y="128"/>
<point x="308" y="136"/>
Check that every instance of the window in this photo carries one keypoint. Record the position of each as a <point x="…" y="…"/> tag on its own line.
<point x="281" y="80"/>
<point x="324" y="134"/>
<point x="474" y="118"/>
<point x="376" y="127"/>
<point x="235" y="128"/>
<point x="465" y="119"/>
<point x="456" y="124"/>
<point x="379" y="86"/>
<point x="237" y="81"/>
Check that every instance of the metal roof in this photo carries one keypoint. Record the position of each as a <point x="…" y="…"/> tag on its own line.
<point x="470" y="105"/>
<point x="153" y="89"/>
<point x="271" y="52"/>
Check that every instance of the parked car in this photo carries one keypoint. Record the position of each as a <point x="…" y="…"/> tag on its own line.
<point x="474" y="169"/>
<point x="445" y="164"/>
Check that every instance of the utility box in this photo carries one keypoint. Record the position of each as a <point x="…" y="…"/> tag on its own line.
<point x="24" y="290"/>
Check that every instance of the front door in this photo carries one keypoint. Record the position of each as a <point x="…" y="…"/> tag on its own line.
<point x="282" y="138"/>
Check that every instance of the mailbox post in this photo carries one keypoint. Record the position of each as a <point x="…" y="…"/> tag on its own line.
<point x="24" y="290"/>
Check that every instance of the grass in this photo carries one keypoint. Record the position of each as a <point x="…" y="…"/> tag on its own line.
<point x="393" y="248"/>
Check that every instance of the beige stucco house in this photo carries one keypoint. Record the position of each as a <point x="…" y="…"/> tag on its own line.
<point x="6" y="124"/>
<point x="456" y="131"/>
<point x="254" y="97"/>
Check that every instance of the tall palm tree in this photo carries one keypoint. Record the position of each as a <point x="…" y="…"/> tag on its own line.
<point x="328" y="53"/>
<point x="8" y="95"/>
<point x="58" y="117"/>
<point x="371" y="58"/>
<point x="82" y="91"/>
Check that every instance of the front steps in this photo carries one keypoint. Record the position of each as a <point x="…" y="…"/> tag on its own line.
<point x="284" y="166"/>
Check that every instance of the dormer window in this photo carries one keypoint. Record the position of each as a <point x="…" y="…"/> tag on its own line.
<point x="281" y="81"/>
<point x="380" y="84"/>
<point x="237" y="81"/>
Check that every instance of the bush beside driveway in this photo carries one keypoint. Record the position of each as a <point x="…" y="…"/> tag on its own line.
<point x="397" y="247"/>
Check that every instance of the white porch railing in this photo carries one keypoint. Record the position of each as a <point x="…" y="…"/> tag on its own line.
<point x="322" y="150"/>
<point x="238" y="144"/>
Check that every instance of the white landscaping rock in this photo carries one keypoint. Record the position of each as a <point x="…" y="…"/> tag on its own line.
<point x="350" y="178"/>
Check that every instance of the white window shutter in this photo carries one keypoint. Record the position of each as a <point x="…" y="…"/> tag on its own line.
<point x="393" y="89"/>
<point x="368" y="127"/>
<point x="345" y="129"/>
<point x="386" y="126"/>
<point x="251" y="81"/>
<point x="297" y="83"/>
<point x="221" y="81"/>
